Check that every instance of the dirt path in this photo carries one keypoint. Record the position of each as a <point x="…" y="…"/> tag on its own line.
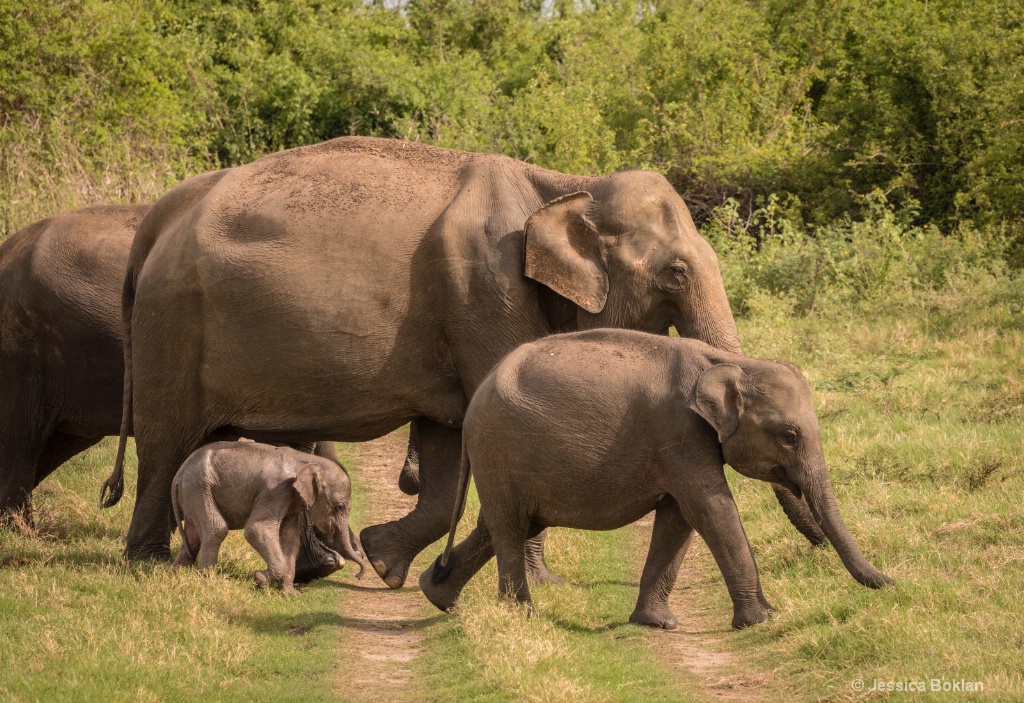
<point x="382" y="627"/>
<point x="696" y="649"/>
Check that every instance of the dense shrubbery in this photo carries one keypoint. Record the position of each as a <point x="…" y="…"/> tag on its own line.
<point x="791" y="115"/>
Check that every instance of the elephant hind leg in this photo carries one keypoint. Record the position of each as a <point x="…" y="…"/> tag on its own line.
<point x="160" y="456"/>
<point x="467" y="558"/>
<point x="509" y="540"/>
<point x="391" y="547"/>
<point x="187" y="553"/>
<point x="19" y="458"/>
<point x="670" y="540"/>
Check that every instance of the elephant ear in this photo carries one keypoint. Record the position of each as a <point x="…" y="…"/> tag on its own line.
<point x="718" y="398"/>
<point x="307" y="485"/>
<point x="563" y="251"/>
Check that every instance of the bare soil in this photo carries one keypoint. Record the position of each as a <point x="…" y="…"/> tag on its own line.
<point x="697" y="648"/>
<point x="382" y="627"/>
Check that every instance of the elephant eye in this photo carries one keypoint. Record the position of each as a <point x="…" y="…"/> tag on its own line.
<point x="680" y="270"/>
<point x="789" y="437"/>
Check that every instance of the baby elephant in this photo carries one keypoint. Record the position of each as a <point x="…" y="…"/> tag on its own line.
<point x="263" y="489"/>
<point x="593" y="430"/>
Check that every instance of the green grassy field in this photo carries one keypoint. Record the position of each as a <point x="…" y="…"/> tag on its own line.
<point x="922" y="406"/>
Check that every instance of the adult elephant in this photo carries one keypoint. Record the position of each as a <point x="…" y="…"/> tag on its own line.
<point x="344" y="289"/>
<point x="61" y="360"/>
<point x="62" y="354"/>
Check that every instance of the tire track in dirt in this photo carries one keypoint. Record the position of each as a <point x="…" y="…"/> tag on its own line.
<point x="696" y="648"/>
<point x="382" y="628"/>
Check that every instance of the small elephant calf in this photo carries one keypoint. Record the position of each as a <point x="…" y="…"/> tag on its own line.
<point x="593" y="430"/>
<point x="264" y="489"/>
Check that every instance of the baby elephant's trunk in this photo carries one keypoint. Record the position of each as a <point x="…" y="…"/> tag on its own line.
<point x="352" y="549"/>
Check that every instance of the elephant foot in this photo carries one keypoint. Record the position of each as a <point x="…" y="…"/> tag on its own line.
<point x="443" y="594"/>
<point x="751" y="615"/>
<point x="543" y="576"/>
<point x="148" y="552"/>
<point x="389" y="563"/>
<point x="315" y="560"/>
<point x="537" y="571"/>
<point x="655" y="616"/>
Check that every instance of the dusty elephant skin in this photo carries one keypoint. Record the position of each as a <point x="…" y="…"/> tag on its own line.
<point x="62" y="355"/>
<point x="61" y="359"/>
<point x="593" y="430"/>
<point x="344" y="289"/>
<point x="264" y="489"/>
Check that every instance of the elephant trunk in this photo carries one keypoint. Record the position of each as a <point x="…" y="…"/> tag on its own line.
<point x="711" y="323"/>
<point x="703" y="309"/>
<point x="823" y="504"/>
<point x="350" y="547"/>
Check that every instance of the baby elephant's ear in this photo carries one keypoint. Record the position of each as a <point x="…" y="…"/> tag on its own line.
<point x="307" y="484"/>
<point x="718" y="398"/>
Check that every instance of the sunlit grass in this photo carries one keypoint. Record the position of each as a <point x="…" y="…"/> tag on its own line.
<point x="78" y="623"/>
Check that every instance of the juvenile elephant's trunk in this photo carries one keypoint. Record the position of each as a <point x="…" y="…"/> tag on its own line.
<point x="822" y="501"/>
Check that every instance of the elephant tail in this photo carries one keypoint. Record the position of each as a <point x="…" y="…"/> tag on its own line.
<point x="444" y="563"/>
<point x="113" y="487"/>
<point x="179" y="522"/>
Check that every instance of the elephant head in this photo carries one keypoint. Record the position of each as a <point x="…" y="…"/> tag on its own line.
<point x="765" y="420"/>
<point x="329" y="502"/>
<point x="627" y="253"/>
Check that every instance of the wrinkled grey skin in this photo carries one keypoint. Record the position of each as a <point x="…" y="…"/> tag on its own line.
<point x="342" y="290"/>
<point x="264" y="490"/>
<point x="594" y="430"/>
<point x="61" y="359"/>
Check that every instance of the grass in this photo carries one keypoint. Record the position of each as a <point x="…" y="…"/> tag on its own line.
<point x="577" y="645"/>
<point x="923" y="433"/>
<point x="921" y="399"/>
<point x="77" y="623"/>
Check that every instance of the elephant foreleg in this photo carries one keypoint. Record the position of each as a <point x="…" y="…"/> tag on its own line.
<point x="670" y="540"/>
<point x="713" y="513"/>
<point x="391" y="547"/>
<point x="799" y="513"/>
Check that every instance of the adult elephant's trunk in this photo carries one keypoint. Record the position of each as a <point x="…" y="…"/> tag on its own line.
<point x="710" y="321"/>
<point x="703" y="308"/>
<point x="822" y="501"/>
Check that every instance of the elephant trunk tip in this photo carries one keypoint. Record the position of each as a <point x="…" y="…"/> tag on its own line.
<point x="874" y="579"/>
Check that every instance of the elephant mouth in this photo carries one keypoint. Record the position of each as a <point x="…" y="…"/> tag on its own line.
<point x="778" y="475"/>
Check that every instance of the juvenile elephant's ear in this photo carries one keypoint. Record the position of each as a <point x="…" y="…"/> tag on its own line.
<point x="718" y="398"/>
<point x="307" y="485"/>
<point x="563" y="251"/>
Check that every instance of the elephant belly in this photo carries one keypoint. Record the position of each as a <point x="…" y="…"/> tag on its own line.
<point x="591" y="511"/>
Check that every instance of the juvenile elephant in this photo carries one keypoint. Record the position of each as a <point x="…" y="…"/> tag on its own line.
<point x="593" y="430"/>
<point x="263" y="489"/>
<point x="344" y="289"/>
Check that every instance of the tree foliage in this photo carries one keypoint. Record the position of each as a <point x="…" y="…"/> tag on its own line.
<point x="820" y="102"/>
